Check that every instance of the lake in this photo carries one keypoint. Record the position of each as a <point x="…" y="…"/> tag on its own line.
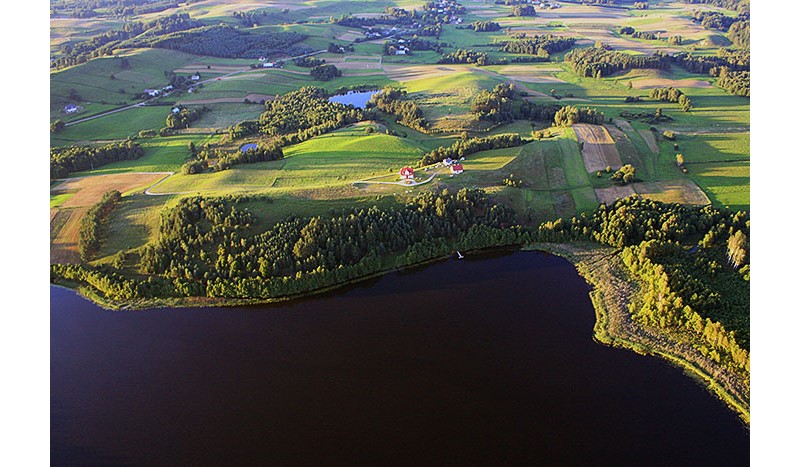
<point x="357" y="99"/>
<point x="484" y="361"/>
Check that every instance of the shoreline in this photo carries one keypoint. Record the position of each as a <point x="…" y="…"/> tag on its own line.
<point x="612" y="293"/>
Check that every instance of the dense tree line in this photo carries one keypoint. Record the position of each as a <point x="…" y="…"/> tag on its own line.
<point x="104" y="44"/>
<point x="185" y="116"/>
<point x="465" y="147"/>
<point x="89" y="233"/>
<point x="735" y="82"/>
<point x="225" y="41"/>
<point x="570" y="115"/>
<point x="325" y="72"/>
<point x="740" y="6"/>
<point x="739" y="34"/>
<point x="303" y="255"/>
<point x="539" y="112"/>
<point x="247" y="18"/>
<point x="735" y="60"/>
<point x="597" y="62"/>
<point x="691" y="291"/>
<point x="359" y="22"/>
<point x="731" y="66"/>
<point x="57" y="126"/>
<point x="484" y="26"/>
<point x="523" y="10"/>
<point x="541" y="45"/>
<point x="649" y="36"/>
<point x="713" y="20"/>
<point x="121" y="8"/>
<point x="465" y="56"/>
<point x="394" y="101"/>
<point x="308" y="62"/>
<point x="670" y="94"/>
<point x="68" y="159"/>
<point x="205" y="243"/>
<point x="683" y="293"/>
<point x="495" y="105"/>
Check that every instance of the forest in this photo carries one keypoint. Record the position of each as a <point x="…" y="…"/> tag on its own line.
<point x="495" y="105"/>
<point x="570" y="115"/>
<point x="325" y="72"/>
<point x="523" y="10"/>
<point x="670" y="94"/>
<point x="704" y="290"/>
<point x="596" y="62"/>
<point x="484" y="26"/>
<point x="67" y="159"/>
<point x="227" y="42"/>
<point x="469" y="146"/>
<point x="205" y="248"/>
<point x="465" y="56"/>
<point x="114" y="8"/>
<point x="542" y="45"/>
<point x="305" y="110"/>
<point x="393" y="101"/>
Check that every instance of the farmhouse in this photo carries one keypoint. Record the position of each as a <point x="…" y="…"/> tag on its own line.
<point x="456" y="169"/>
<point x="152" y="92"/>
<point x="268" y="65"/>
<point x="448" y="162"/>
<point x="407" y="173"/>
<point x="195" y="77"/>
<point x="176" y="110"/>
<point x="71" y="108"/>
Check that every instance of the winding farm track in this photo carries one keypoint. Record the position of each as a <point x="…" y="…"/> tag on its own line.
<point x="412" y="184"/>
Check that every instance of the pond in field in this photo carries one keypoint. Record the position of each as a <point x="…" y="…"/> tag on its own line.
<point x="484" y="361"/>
<point x="357" y="99"/>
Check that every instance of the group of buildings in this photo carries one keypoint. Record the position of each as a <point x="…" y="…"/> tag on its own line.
<point x="407" y="173"/>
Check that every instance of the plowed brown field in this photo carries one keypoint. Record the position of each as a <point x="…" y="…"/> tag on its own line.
<point x="65" y="220"/>
<point x="599" y="150"/>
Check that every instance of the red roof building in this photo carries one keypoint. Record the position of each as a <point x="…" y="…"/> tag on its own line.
<point x="407" y="173"/>
<point x="456" y="168"/>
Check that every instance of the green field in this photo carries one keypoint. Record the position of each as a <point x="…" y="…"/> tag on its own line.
<point x="318" y="174"/>
<point x="334" y="159"/>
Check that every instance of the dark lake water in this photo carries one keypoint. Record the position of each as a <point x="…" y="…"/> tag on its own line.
<point x="354" y="98"/>
<point x="485" y="361"/>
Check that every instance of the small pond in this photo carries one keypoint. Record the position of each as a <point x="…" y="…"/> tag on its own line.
<point x="357" y="99"/>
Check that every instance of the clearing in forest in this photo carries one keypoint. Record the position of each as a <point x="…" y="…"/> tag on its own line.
<point x="599" y="150"/>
